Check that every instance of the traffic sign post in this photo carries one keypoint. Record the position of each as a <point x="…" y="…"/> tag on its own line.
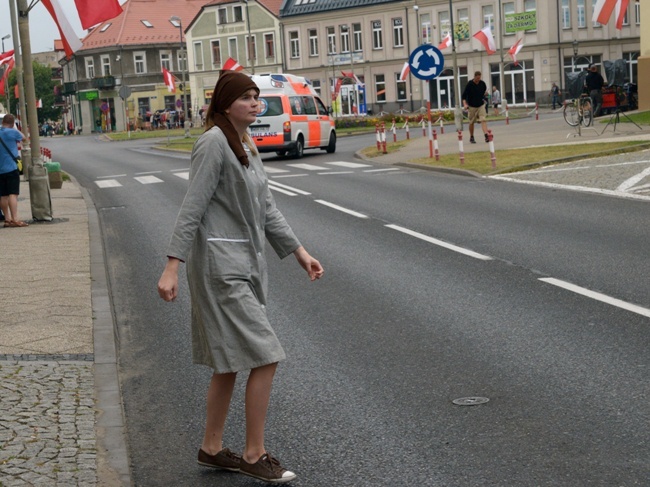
<point x="426" y="62"/>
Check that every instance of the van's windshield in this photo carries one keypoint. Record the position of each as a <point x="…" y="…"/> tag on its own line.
<point x="270" y="106"/>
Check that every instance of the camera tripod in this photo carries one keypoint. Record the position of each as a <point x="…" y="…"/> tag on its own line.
<point x="615" y="118"/>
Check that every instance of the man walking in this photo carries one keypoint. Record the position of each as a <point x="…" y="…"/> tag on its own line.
<point x="594" y="82"/>
<point x="475" y="105"/>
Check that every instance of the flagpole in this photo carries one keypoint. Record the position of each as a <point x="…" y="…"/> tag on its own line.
<point x="18" y="66"/>
<point x="501" y="66"/>
<point x="458" y="112"/>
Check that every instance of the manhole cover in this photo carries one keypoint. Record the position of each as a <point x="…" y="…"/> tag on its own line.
<point x="470" y="401"/>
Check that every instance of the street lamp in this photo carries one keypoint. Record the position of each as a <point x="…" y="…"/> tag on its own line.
<point x="458" y="113"/>
<point x="176" y="22"/>
<point x="8" y="36"/>
<point x="250" y="50"/>
<point x="575" y="52"/>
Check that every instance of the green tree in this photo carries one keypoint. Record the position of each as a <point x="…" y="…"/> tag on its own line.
<point x="44" y="89"/>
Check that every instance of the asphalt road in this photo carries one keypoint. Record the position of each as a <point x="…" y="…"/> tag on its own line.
<point x="437" y="287"/>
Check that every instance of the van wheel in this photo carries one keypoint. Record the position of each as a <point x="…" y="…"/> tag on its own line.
<point x="300" y="147"/>
<point x="281" y="153"/>
<point x="331" y="147"/>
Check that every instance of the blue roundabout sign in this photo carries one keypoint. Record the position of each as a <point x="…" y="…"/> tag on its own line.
<point x="426" y="62"/>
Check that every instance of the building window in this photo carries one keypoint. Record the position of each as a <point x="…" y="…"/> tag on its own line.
<point x="626" y="17"/>
<point x="508" y="9"/>
<point x="294" y="44"/>
<point x="582" y="18"/>
<point x="398" y="33"/>
<point x="198" y="56"/>
<point x="425" y="28"/>
<point x="380" y="88"/>
<point x="443" y="24"/>
<point x="252" y="47"/>
<point x="462" y="24"/>
<point x="170" y="102"/>
<point x="180" y="61"/>
<point x="269" y="45"/>
<point x="316" y="84"/>
<point x="637" y="12"/>
<point x="313" y="42"/>
<point x="377" y="39"/>
<point x="566" y="14"/>
<point x="488" y="17"/>
<point x="232" y="48"/>
<point x="140" y="62"/>
<point x="632" y="65"/>
<point x="106" y="65"/>
<point x="143" y="106"/>
<point x="90" y="67"/>
<point x="215" y="47"/>
<point x="593" y="7"/>
<point x="166" y="60"/>
<point x="530" y="5"/>
<point x="356" y="31"/>
<point x="345" y="38"/>
<point x="400" y="88"/>
<point x="222" y="15"/>
<point x="331" y="40"/>
<point x="237" y="14"/>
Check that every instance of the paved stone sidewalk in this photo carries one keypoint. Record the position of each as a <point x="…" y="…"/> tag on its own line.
<point x="47" y="422"/>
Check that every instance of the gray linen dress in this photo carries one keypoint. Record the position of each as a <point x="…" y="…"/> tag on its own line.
<point x="220" y="233"/>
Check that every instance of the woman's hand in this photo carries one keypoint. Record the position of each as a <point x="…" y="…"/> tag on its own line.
<point x="168" y="283"/>
<point x="307" y="262"/>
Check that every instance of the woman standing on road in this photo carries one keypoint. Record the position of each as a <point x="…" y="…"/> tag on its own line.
<point x="220" y="232"/>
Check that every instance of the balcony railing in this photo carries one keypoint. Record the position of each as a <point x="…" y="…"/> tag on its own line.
<point x="104" y="83"/>
<point x="69" y="88"/>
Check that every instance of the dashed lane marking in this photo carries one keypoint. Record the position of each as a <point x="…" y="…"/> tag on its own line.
<point x="275" y="185"/>
<point x="383" y="170"/>
<point x="108" y="183"/>
<point x="351" y="165"/>
<point x="341" y="208"/>
<point x="334" y="173"/>
<point x="308" y="167"/>
<point x="183" y="175"/>
<point x="148" y="179"/>
<point x="274" y="170"/>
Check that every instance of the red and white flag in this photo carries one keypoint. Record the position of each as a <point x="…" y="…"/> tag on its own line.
<point x="406" y="69"/>
<point x="169" y="81"/>
<point x="39" y="103"/>
<point x="232" y="65"/>
<point x="445" y="43"/>
<point x="93" y="12"/>
<point x="603" y="10"/>
<point x="514" y="50"/>
<point x="7" y="61"/>
<point x="71" y="42"/>
<point x="350" y="74"/>
<point x="485" y="37"/>
<point x="621" y="8"/>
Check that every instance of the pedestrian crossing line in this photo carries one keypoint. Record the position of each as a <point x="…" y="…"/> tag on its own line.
<point x="274" y="170"/>
<point x="183" y="175"/>
<point x="630" y="182"/>
<point x="275" y="185"/>
<point x="148" y="179"/>
<point x="290" y="176"/>
<point x="147" y="172"/>
<point x="440" y="243"/>
<point x="112" y="177"/>
<point x="597" y="296"/>
<point x="383" y="170"/>
<point x="340" y="208"/>
<point x="334" y="173"/>
<point x="308" y="167"/>
<point x="281" y="190"/>
<point x="351" y="165"/>
<point x="108" y="183"/>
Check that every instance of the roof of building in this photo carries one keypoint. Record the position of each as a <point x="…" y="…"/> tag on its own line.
<point x="301" y="7"/>
<point x="143" y="22"/>
<point x="273" y="6"/>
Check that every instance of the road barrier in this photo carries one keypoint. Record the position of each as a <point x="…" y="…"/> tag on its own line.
<point x="382" y="132"/>
<point x="394" y="130"/>
<point x="378" y="136"/>
<point x="435" y="146"/>
<point x="507" y="117"/>
<point x="460" y="148"/>
<point x="493" y="156"/>
<point x="406" y="127"/>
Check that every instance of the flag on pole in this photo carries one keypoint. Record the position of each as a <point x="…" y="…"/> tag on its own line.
<point x="406" y="69"/>
<point x="39" y="103"/>
<point x="93" y="12"/>
<point x="71" y="42"/>
<point x="621" y="8"/>
<point x="7" y="61"/>
<point x="169" y="81"/>
<point x="232" y="65"/>
<point x="445" y="43"/>
<point x="603" y="10"/>
<point x="350" y="74"/>
<point x="514" y="50"/>
<point x="485" y="37"/>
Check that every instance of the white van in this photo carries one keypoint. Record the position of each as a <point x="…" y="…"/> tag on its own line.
<point x="292" y="117"/>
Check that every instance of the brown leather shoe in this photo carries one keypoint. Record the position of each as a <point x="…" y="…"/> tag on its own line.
<point x="223" y="460"/>
<point x="268" y="469"/>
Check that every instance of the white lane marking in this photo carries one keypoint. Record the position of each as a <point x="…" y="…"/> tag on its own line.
<point x="628" y="183"/>
<point x="334" y="172"/>
<point x="147" y="172"/>
<point x="556" y="169"/>
<point x="290" y="176"/>
<point x="308" y="167"/>
<point x="440" y="243"/>
<point x="183" y="175"/>
<point x="597" y="296"/>
<point x="295" y="190"/>
<point x="351" y="165"/>
<point x="108" y="183"/>
<point x="177" y="170"/>
<point x="112" y="177"/>
<point x="280" y="190"/>
<point x="270" y="170"/>
<point x="383" y="170"/>
<point x="340" y="208"/>
<point x="582" y="189"/>
<point x="148" y="179"/>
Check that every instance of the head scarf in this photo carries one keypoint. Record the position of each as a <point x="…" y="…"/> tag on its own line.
<point x="230" y="86"/>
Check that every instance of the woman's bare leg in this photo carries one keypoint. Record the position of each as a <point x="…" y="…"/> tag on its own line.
<point x="218" y="402"/>
<point x="258" y="394"/>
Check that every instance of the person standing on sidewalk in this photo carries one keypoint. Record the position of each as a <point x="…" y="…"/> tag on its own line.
<point x="9" y="174"/>
<point x="226" y="216"/>
<point x="496" y="100"/>
<point x="555" y="95"/>
<point x="474" y="103"/>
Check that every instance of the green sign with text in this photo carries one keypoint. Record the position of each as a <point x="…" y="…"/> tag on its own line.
<point x="88" y="95"/>
<point x="523" y="21"/>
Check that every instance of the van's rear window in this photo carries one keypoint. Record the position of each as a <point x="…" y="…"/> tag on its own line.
<point x="270" y="106"/>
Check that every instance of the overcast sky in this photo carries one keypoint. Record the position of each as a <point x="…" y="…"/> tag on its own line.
<point x="42" y="28"/>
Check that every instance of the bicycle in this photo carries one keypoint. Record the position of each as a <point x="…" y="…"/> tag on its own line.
<point x="579" y="111"/>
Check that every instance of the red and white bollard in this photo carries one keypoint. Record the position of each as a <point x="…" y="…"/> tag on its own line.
<point x="394" y="130"/>
<point x="442" y="126"/>
<point x="424" y="128"/>
<point x="406" y="127"/>
<point x="382" y="131"/>
<point x="435" y="146"/>
<point x="460" y="147"/>
<point x="493" y="156"/>
<point x="536" y="111"/>
<point x="507" y="117"/>
<point x="378" y="136"/>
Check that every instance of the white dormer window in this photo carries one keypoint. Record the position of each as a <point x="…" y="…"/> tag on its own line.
<point x="105" y="28"/>
<point x="147" y="24"/>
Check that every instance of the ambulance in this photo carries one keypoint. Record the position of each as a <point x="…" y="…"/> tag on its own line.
<point x="291" y="118"/>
